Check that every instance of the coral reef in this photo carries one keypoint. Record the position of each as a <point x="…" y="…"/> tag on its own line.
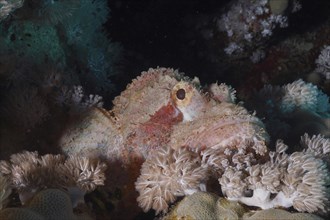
<point x="184" y="137"/>
<point x="175" y="144"/>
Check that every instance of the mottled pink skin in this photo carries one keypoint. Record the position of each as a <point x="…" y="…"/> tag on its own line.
<point x="156" y="132"/>
<point x="150" y="114"/>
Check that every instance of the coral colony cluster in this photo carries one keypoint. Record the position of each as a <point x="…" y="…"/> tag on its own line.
<point x="169" y="142"/>
<point x="249" y="23"/>
<point x="245" y="22"/>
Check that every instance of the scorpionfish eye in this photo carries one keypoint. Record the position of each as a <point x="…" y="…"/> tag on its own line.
<point x="182" y="93"/>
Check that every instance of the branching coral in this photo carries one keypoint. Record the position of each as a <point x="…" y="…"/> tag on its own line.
<point x="30" y="173"/>
<point x="300" y="180"/>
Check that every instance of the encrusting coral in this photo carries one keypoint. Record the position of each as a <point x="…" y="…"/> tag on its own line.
<point x="203" y="205"/>
<point x="29" y="173"/>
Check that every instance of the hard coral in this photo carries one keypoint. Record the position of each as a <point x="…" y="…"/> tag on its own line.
<point x="50" y="204"/>
<point x="203" y="205"/>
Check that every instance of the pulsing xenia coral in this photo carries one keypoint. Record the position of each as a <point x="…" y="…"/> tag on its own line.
<point x="317" y="145"/>
<point x="292" y="109"/>
<point x="299" y="180"/>
<point x="29" y="173"/>
<point x="304" y="96"/>
<point x="167" y="175"/>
